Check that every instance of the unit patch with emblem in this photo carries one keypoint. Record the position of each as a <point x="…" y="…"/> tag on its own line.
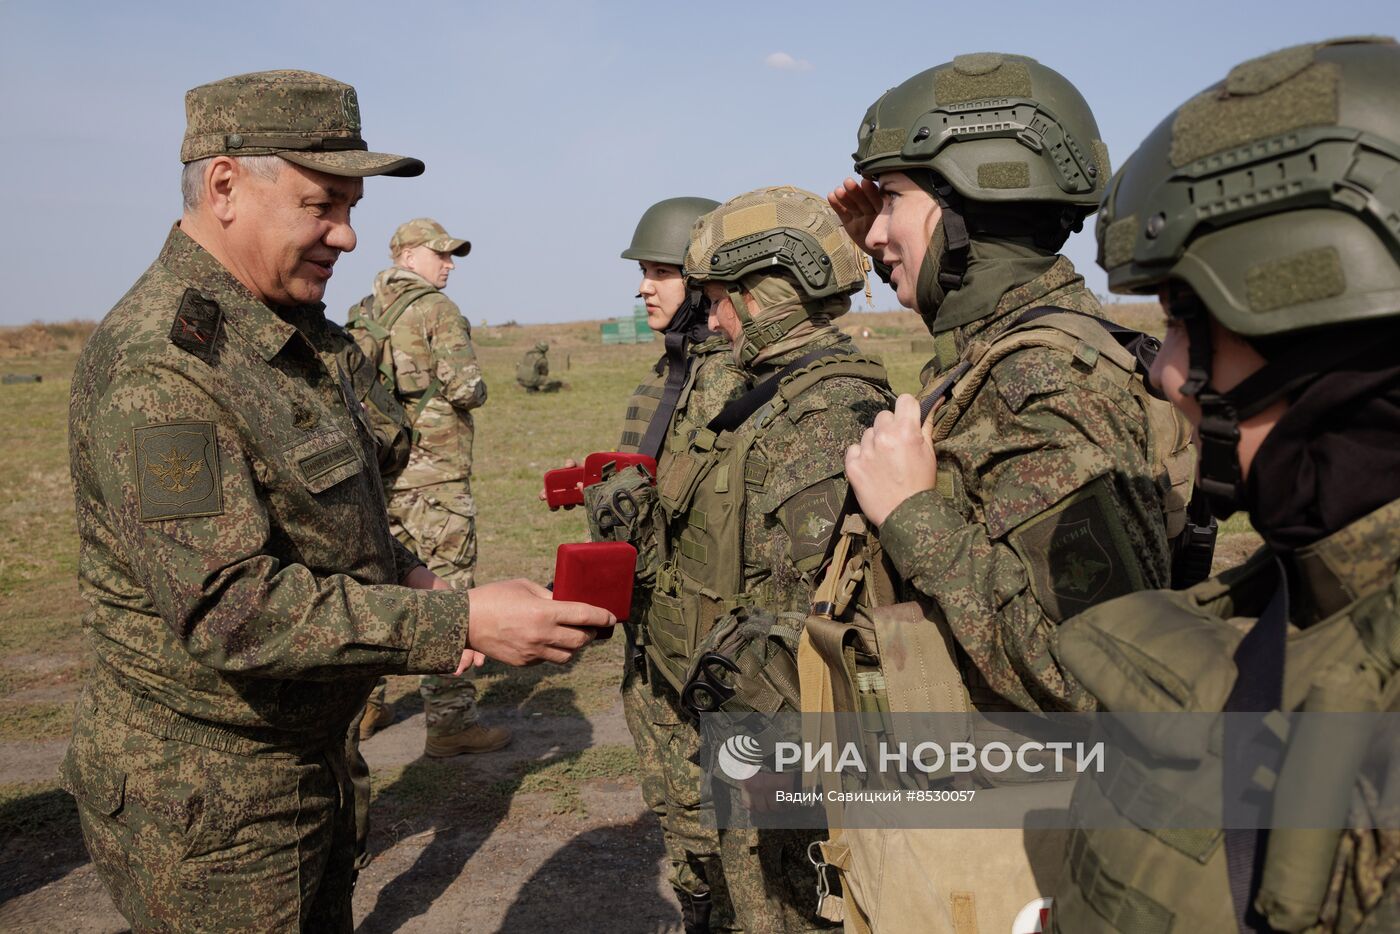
<point x="1078" y="553"/>
<point x="177" y="471"/>
<point x="810" y="519"/>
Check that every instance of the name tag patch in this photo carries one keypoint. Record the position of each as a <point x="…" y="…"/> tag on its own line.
<point x="326" y="460"/>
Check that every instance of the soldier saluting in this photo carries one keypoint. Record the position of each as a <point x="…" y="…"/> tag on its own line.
<point x="242" y="585"/>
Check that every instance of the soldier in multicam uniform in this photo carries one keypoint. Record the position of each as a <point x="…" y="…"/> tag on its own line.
<point x="425" y="351"/>
<point x="532" y="372"/>
<point x="393" y="439"/>
<point x="747" y="505"/>
<point x="687" y="387"/>
<point x="1038" y="488"/>
<point x="1261" y="212"/>
<point x="242" y="584"/>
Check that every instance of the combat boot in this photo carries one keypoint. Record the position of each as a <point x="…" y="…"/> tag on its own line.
<point x="471" y="739"/>
<point x="376" y="717"/>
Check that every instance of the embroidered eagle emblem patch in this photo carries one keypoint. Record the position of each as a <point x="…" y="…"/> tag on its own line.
<point x="177" y="471"/>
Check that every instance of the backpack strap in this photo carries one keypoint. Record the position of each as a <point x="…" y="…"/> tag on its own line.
<point x="391" y="315"/>
<point x="739" y="410"/>
<point x="1143" y="346"/>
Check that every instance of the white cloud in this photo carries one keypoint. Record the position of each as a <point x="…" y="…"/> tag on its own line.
<point x="782" y="61"/>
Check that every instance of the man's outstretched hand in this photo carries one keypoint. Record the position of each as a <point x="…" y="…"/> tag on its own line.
<point x="518" y="622"/>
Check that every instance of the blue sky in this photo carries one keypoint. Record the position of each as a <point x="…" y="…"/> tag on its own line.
<point x="547" y="127"/>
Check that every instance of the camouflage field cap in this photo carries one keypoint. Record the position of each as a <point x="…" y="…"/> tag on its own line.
<point x="306" y="118"/>
<point x="1274" y="193"/>
<point x="424" y="231"/>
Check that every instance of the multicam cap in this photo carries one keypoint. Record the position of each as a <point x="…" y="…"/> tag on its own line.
<point x="306" y="118"/>
<point x="998" y="128"/>
<point x="1273" y="193"/>
<point x="784" y="227"/>
<point x="424" y="231"/>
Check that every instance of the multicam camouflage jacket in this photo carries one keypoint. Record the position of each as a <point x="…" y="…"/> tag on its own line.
<point x="1047" y="502"/>
<point x="432" y="350"/>
<point x="234" y="551"/>
<point x="393" y="429"/>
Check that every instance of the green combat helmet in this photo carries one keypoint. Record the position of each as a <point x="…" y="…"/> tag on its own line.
<point x="775" y="230"/>
<point x="1273" y="195"/>
<point x="664" y="230"/>
<point x="1011" y="144"/>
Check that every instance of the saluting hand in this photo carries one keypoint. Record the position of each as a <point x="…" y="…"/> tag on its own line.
<point x="892" y="462"/>
<point x="518" y="622"/>
<point x="857" y="204"/>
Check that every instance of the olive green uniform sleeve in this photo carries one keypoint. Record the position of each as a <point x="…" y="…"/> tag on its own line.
<point x="454" y="361"/>
<point x="200" y="545"/>
<point x="1046" y="505"/>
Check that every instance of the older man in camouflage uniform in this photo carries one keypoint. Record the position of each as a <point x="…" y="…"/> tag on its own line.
<point x="243" y="588"/>
<point x="426" y="354"/>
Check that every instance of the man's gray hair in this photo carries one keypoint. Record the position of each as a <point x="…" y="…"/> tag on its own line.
<point x="192" y="178"/>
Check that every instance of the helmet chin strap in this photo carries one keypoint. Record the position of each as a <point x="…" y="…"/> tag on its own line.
<point x="1288" y="370"/>
<point x="758" y="335"/>
<point x="945" y="263"/>
<point x="1221" y="479"/>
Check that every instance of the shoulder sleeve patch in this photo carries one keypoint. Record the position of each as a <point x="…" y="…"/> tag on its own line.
<point x="1077" y="553"/>
<point x="810" y="519"/>
<point x="177" y="471"/>
<point x="198" y="326"/>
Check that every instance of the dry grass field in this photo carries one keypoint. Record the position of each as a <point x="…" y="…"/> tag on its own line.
<point x="509" y="841"/>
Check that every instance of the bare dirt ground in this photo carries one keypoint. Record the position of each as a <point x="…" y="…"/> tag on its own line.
<point x="547" y="835"/>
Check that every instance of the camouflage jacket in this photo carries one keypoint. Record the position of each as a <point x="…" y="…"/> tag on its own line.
<point x="1341" y="654"/>
<point x="713" y="380"/>
<point x="793" y="482"/>
<point x="533" y="368"/>
<point x="234" y="550"/>
<point x="1046" y="503"/>
<point x="432" y="341"/>
<point x="790" y="516"/>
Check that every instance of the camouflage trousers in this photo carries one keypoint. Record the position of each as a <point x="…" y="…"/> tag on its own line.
<point x="759" y="882"/>
<point x="190" y="837"/>
<point x="771" y="881"/>
<point x="438" y="524"/>
<point x="672" y="790"/>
